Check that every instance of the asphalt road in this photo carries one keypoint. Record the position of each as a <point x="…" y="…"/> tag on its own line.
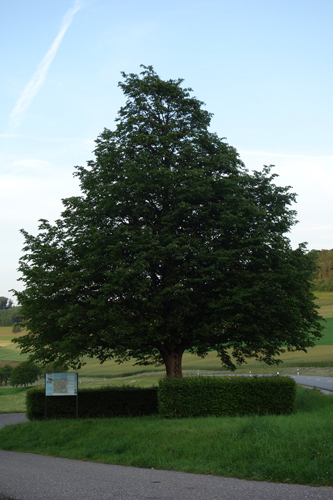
<point x="319" y="382"/>
<point x="26" y="476"/>
<point x="12" y="418"/>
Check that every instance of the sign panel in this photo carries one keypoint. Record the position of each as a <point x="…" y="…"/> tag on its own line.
<point x="61" y="384"/>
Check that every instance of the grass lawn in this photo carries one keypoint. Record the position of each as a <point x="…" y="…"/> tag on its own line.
<point x="325" y="301"/>
<point x="327" y="338"/>
<point x="8" y="351"/>
<point x="6" y="335"/>
<point x="12" y="400"/>
<point x="318" y="361"/>
<point x="292" y="449"/>
<point x="268" y="448"/>
<point x="319" y="356"/>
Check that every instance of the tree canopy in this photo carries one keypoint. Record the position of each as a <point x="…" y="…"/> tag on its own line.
<point x="173" y="245"/>
<point x="5" y="372"/>
<point x="5" y="303"/>
<point x="26" y="373"/>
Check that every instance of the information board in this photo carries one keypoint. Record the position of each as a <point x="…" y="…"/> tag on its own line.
<point x="61" y="384"/>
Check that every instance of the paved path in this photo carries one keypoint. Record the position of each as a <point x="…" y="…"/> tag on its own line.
<point x="25" y="476"/>
<point x="12" y="418"/>
<point x="312" y="381"/>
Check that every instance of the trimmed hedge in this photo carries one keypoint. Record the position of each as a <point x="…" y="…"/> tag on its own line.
<point x="104" y="402"/>
<point x="188" y="397"/>
<point x="226" y="396"/>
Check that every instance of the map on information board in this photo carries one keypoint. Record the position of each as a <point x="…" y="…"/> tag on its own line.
<point x="61" y="384"/>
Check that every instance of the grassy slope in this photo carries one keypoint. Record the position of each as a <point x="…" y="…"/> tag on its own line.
<point x="258" y="448"/>
<point x="321" y="355"/>
<point x="325" y="302"/>
<point x="6" y="336"/>
<point x="209" y="446"/>
<point x="8" y="351"/>
<point x="12" y="400"/>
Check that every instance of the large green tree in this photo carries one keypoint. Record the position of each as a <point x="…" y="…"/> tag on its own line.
<point x="5" y="372"/>
<point x="172" y="246"/>
<point x="26" y="373"/>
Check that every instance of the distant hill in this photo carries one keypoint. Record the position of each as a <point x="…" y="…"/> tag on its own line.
<point x="323" y="278"/>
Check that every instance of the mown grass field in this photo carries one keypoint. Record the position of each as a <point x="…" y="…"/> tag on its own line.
<point x="12" y="400"/>
<point x="266" y="448"/>
<point x="318" y="356"/>
<point x="256" y="448"/>
<point x="318" y="361"/>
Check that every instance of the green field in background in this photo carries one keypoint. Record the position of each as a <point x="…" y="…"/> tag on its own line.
<point x="319" y="356"/>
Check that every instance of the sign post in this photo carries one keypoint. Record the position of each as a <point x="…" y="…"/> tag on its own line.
<point x="61" y="384"/>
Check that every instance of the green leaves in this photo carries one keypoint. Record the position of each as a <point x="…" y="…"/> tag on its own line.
<point x="24" y="374"/>
<point x="172" y="245"/>
<point x="226" y="396"/>
<point x="5" y="372"/>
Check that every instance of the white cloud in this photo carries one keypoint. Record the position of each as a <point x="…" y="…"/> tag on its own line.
<point x="28" y="168"/>
<point x="32" y="88"/>
<point x="311" y="177"/>
<point x="32" y="164"/>
<point x="32" y="190"/>
<point x="284" y="155"/>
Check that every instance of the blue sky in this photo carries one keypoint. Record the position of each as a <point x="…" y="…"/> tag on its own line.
<point x="264" y="68"/>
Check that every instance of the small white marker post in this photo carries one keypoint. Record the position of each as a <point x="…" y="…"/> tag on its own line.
<point x="250" y="374"/>
<point x="277" y="373"/>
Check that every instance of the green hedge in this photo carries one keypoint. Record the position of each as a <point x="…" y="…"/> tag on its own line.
<point x="104" y="402"/>
<point x="226" y="396"/>
<point x="188" y="397"/>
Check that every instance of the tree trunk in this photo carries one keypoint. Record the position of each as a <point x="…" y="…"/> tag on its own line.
<point x="173" y="363"/>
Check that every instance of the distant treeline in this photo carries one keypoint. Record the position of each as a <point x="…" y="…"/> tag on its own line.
<point x="9" y="314"/>
<point x="5" y="303"/>
<point x="323" y="278"/>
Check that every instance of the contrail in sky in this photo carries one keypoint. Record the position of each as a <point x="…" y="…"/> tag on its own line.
<point x="32" y="88"/>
